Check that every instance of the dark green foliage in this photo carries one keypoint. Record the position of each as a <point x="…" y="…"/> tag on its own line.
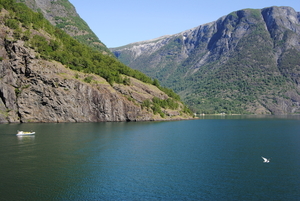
<point x="187" y="110"/>
<point x="88" y="79"/>
<point x="156" y="82"/>
<point x="170" y="93"/>
<point x="289" y="65"/>
<point x="157" y="104"/>
<point x="168" y="103"/>
<point x="54" y="45"/>
<point x="146" y="104"/>
<point x="126" y="81"/>
<point x="41" y="45"/>
<point x="12" y="23"/>
<point x="157" y="110"/>
<point x="26" y="35"/>
<point x="17" y="91"/>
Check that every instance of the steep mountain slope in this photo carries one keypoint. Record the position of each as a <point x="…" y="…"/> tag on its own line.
<point x="47" y="76"/>
<point x="245" y="62"/>
<point x="63" y="15"/>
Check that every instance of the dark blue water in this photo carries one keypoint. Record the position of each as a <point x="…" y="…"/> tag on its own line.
<point x="206" y="159"/>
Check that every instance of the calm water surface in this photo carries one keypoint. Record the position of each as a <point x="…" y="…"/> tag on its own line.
<point x="205" y="159"/>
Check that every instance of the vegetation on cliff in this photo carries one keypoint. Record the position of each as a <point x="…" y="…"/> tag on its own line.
<point x="62" y="14"/>
<point x="61" y="47"/>
<point x="51" y="43"/>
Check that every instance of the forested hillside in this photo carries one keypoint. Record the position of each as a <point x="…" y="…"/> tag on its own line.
<point x="46" y="71"/>
<point x="245" y="62"/>
<point x="63" y="15"/>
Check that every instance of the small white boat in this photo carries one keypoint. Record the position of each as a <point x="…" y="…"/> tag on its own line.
<point x="25" y="133"/>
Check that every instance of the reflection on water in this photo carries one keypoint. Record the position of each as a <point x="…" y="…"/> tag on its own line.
<point x="26" y="139"/>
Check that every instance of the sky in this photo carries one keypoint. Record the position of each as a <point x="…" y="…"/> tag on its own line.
<point x="120" y="22"/>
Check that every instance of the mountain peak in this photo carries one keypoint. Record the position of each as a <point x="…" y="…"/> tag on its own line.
<point x="244" y="62"/>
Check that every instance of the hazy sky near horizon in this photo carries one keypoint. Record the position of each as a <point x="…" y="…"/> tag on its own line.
<point x="120" y="22"/>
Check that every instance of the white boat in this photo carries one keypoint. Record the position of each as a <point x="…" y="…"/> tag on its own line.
<point x="25" y="133"/>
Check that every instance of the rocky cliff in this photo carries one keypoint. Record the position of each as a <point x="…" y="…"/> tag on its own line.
<point x="35" y="87"/>
<point x="245" y="62"/>
<point x="36" y="90"/>
<point x="62" y="14"/>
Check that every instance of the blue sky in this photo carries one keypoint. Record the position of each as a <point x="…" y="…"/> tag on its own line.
<point x="120" y="22"/>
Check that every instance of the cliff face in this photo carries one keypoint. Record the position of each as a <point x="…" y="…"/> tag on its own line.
<point x="62" y="13"/>
<point x="245" y="62"/>
<point x="35" y="90"/>
<point x="51" y="9"/>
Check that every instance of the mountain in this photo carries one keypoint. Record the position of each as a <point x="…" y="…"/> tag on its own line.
<point x="62" y="14"/>
<point x="48" y="76"/>
<point x="247" y="62"/>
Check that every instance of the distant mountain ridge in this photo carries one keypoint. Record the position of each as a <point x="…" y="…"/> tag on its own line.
<point x="245" y="62"/>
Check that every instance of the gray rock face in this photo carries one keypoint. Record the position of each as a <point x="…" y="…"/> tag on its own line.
<point x="213" y="61"/>
<point x="52" y="8"/>
<point x="212" y="40"/>
<point x="35" y="90"/>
